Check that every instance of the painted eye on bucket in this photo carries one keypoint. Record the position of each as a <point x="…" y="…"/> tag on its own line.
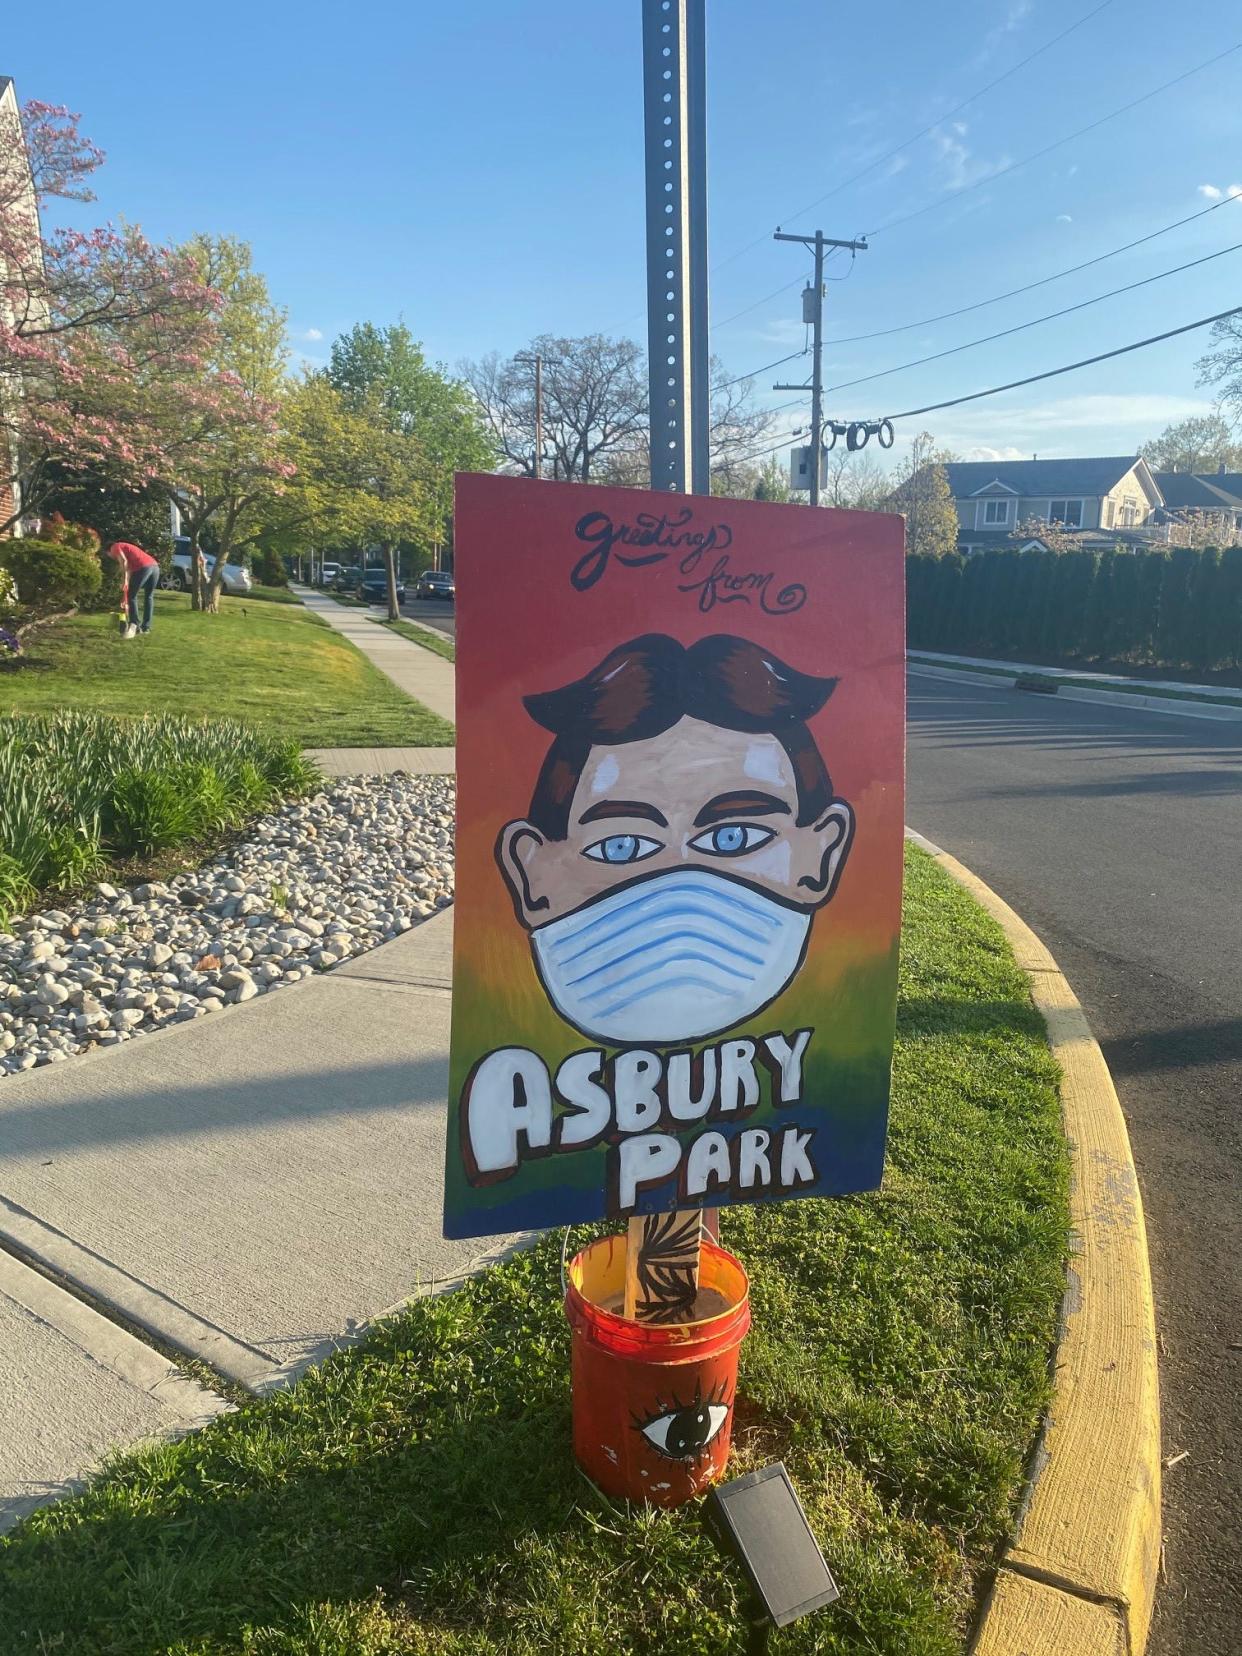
<point x="685" y="1433"/>
<point x="622" y="848"/>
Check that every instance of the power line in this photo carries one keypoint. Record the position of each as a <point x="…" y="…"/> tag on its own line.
<point x="1002" y="172"/>
<point x="940" y="119"/>
<point x="1052" y="316"/>
<point x="980" y="304"/>
<point x="755" y="372"/>
<point x="1013" y="166"/>
<point x="1086" y="362"/>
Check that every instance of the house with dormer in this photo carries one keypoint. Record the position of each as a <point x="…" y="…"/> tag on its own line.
<point x="993" y="497"/>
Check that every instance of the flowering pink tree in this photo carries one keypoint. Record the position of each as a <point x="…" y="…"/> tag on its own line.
<point x="89" y="320"/>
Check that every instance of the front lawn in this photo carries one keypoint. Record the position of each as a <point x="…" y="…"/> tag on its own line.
<point x="417" y="1494"/>
<point x="272" y="665"/>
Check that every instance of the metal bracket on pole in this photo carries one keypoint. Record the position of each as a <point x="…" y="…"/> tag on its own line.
<point x="675" y="104"/>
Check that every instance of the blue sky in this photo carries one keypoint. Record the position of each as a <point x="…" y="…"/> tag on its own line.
<point x="476" y="169"/>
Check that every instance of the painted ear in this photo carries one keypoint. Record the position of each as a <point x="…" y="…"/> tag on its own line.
<point x="517" y="855"/>
<point x="834" y="834"/>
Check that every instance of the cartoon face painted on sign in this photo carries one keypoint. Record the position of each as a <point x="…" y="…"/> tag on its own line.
<point x="682" y="833"/>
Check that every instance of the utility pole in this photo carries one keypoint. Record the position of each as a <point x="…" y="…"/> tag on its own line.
<point x="819" y="242"/>
<point x="538" y="362"/>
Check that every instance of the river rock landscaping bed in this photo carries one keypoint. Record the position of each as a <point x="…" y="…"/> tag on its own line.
<point x="304" y="889"/>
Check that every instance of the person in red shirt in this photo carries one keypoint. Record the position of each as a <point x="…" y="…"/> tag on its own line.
<point x="142" y="576"/>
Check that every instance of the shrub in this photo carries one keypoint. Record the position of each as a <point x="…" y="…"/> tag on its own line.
<point x="78" y="785"/>
<point x="51" y="575"/>
<point x="147" y="811"/>
<point x="16" y="891"/>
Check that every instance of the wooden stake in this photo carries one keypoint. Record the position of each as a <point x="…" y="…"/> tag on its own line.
<point x="662" y="1266"/>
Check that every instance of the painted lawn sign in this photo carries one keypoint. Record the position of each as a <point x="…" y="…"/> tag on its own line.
<point x="679" y="756"/>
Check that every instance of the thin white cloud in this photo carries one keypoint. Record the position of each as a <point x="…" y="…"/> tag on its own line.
<point x="1016" y="13"/>
<point x="1064" y="218"/>
<point x="313" y="333"/>
<point x="1234" y="190"/>
<point x="962" y="166"/>
<point x="1095" y="423"/>
<point x="1209" y="191"/>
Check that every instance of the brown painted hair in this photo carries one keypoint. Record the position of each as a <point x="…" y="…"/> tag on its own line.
<point x="645" y="687"/>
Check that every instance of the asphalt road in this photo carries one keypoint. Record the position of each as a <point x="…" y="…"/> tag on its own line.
<point x="432" y="612"/>
<point x="1117" y="835"/>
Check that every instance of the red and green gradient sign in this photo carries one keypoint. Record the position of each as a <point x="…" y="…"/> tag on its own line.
<point x="679" y="761"/>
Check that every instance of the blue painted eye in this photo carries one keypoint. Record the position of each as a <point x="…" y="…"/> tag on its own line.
<point x="731" y="839"/>
<point x="623" y="848"/>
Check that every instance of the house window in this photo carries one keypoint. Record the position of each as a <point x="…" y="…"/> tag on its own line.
<point x="1068" y="512"/>
<point x="1108" y="514"/>
<point x="1129" y="512"/>
<point x="995" y="514"/>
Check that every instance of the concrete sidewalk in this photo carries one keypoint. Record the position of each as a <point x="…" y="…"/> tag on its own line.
<point x="427" y="677"/>
<point x="418" y="761"/>
<point x="250" y="1188"/>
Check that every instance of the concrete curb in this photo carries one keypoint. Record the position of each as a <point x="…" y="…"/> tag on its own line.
<point x="1182" y="707"/>
<point x="1079" y="1573"/>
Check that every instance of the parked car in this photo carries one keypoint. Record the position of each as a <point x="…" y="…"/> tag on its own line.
<point x="374" y="587"/>
<point x="328" y="573"/>
<point x="348" y="579"/>
<point x="436" y="583"/>
<point x="180" y="578"/>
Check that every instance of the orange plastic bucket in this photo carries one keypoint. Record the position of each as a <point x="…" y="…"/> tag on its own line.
<point x="653" y="1402"/>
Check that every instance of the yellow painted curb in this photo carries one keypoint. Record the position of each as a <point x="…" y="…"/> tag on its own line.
<point x="1078" y="1576"/>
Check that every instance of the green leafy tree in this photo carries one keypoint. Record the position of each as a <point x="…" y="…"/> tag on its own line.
<point x="1099" y="607"/>
<point x="923" y="497"/>
<point x="773" y="482"/>
<point x="384" y="370"/>
<point x="1201" y="443"/>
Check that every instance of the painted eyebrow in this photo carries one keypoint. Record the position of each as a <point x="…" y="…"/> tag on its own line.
<point x="622" y="808"/>
<point x="746" y="803"/>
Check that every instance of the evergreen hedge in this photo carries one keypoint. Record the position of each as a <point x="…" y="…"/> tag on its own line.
<point x="1179" y="608"/>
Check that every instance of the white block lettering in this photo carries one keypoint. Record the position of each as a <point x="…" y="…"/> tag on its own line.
<point x="790" y="1060"/>
<point x="577" y="1082"/>
<point x="707" y="1164"/>
<point x="739" y="1085"/>
<point x="509" y="1094"/>
<point x="682" y="1105"/>
<point x="635" y="1079"/>
<point x="644" y="1161"/>
<point x="753" y="1166"/>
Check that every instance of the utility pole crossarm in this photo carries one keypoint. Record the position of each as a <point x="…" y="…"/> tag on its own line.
<point x="859" y="246"/>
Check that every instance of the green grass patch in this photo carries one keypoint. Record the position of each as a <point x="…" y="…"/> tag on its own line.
<point x="271" y="595"/>
<point x="437" y="642"/>
<point x="417" y="1494"/>
<point x="276" y="667"/>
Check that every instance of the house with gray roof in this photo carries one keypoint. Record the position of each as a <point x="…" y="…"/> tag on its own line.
<point x="1216" y="496"/>
<point x="1112" y="496"/>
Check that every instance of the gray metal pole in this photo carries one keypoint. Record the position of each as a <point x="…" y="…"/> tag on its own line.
<point x="675" y="103"/>
<point x="817" y="370"/>
<point x="538" y="416"/>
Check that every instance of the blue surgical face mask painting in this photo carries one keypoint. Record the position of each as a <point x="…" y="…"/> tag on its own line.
<point x="674" y="957"/>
